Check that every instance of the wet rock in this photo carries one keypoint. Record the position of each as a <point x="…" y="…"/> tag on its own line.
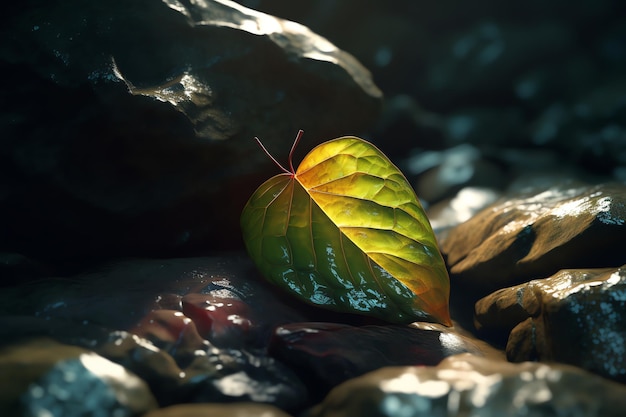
<point x="139" y="356"/>
<point x="460" y="208"/>
<point x="122" y="294"/>
<point x="469" y="385"/>
<point x="441" y="174"/>
<point x="176" y="373"/>
<point x="170" y="330"/>
<point x="326" y="354"/>
<point x="535" y="234"/>
<point x="43" y="377"/>
<point x="230" y="410"/>
<point x="127" y="123"/>
<point x="228" y="375"/>
<point x="574" y="316"/>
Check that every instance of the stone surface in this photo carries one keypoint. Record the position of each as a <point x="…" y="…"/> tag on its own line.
<point x="460" y="208"/>
<point x="120" y="295"/>
<point x="326" y="354"/>
<point x="574" y="316"/>
<point x="109" y="148"/>
<point x="533" y="235"/>
<point x="230" y="410"/>
<point x="206" y="374"/>
<point x="125" y="125"/>
<point x="469" y="385"/>
<point x="43" y="377"/>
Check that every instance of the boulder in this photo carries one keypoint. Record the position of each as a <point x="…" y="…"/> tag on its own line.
<point x="575" y="316"/>
<point x="534" y="234"/>
<point x="129" y="128"/>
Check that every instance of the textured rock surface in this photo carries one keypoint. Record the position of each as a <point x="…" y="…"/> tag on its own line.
<point x="43" y="377"/>
<point x="127" y="123"/>
<point x="109" y="148"/>
<point x="534" y="235"/>
<point x="574" y="316"/>
<point x="205" y="374"/>
<point x="470" y="385"/>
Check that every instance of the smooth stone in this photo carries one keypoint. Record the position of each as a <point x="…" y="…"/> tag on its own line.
<point x="326" y="354"/>
<point x="469" y="385"/>
<point x="176" y="373"/>
<point x="43" y="377"/>
<point x="227" y="410"/>
<point x="121" y="295"/>
<point x="574" y="316"/>
<point x="533" y="235"/>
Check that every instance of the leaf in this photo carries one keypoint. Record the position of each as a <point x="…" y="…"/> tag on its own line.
<point x="347" y="232"/>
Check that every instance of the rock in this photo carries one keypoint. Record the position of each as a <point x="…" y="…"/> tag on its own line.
<point x="469" y="385"/>
<point x="139" y="356"/>
<point x="533" y="235"/>
<point x="230" y="410"/>
<point x="228" y="375"/>
<point x="326" y="354"/>
<point x="460" y="208"/>
<point x="441" y="174"/>
<point x="122" y="294"/>
<point x="170" y="329"/>
<point x="574" y="316"/>
<point x="127" y="123"/>
<point x="206" y="374"/>
<point x="43" y="377"/>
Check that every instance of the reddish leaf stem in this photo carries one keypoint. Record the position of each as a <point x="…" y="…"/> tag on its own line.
<point x="291" y="170"/>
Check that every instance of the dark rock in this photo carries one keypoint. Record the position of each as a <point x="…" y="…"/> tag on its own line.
<point x="574" y="316"/>
<point x="125" y="124"/>
<point x="206" y="374"/>
<point x="43" y="377"/>
<point x="533" y="235"/>
<point x="231" y="410"/>
<point x="469" y="385"/>
<point x="228" y="375"/>
<point x="327" y="354"/>
<point x="441" y="174"/>
<point x="120" y="295"/>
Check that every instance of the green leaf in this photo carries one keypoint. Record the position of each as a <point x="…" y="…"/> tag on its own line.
<point x="347" y="232"/>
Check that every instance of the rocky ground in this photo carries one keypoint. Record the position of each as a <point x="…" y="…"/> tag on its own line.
<point x="127" y="156"/>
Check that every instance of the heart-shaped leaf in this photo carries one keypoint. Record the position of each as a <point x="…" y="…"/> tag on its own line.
<point x="347" y="232"/>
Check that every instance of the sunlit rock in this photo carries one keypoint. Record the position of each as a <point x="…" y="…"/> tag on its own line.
<point x="460" y="208"/>
<point x="469" y="385"/>
<point x="574" y="316"/>
<point x="43" y="377"/>
<point x="534" y="235"/>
